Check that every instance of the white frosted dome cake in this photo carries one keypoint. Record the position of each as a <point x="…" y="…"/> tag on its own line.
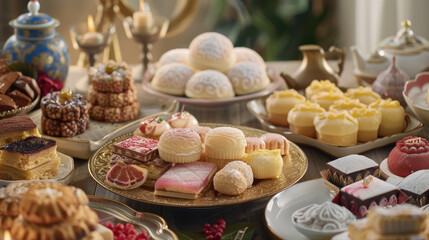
<point x="211" y="51"/>
<point x="248" y="77"/>
<point x="244" y="54"/>
<point x="209" y="84"/>
<point x="172" y="78"/>
<point x="178" y="55"/>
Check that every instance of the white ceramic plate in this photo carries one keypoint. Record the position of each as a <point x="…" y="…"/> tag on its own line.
<point x="257" y="108"/>
<point x="65" y="171"/>
<point x="279" y="210"/>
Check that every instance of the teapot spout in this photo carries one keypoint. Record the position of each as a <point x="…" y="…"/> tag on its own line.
<point x="290" y="82"/>
<point x="358" y="60"/>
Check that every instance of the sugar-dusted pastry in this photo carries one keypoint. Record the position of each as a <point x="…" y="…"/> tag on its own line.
<point x="265" y="163"/>
<point x="152" y="128"/>
<point x="209" y="84"/>
<point x="301" y="118"/>
<point x="172" y="78"/>
<point x="113" y="77"/>
<point x="211" y="50"/>
<point x="180" y="145"/>
<point x="126" y="176"/>
<point x="242" y="167"/>
<point x="29" y="158"/>
<point x="17" y="128"/>
<point x="392" y="116"/>
<point x="248" y="77"/>
<point x="202" y="131"/>
<point x="182" y="119"/>
<point x="253" y="144"/>
<point x="244" y="54"/>
<point x="279" y="103"/>
<point x="410" y="154"/>
<point x="223" y="145"/>
<point x="177" y="55"/>
<point x="229" y="182"/>
<point x="337" y="128"/>
<point x="364" y="94"/>
<point x="369" y="121"/>
<point x="326" y="99"/>
<point x="137" y="147"/>
<point x="347" y="104"/>
<point x="317" y="86"/>
<point x="349" y="169"/>
<point x="185" y="180"/>
<point x="275" y="141"/>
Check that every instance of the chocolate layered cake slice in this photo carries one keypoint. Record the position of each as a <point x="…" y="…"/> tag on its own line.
<point x="416" y="185"/>
<point x="137" y="147"/>
<point x="349" y="169"/>
<point x="17" y="128"/>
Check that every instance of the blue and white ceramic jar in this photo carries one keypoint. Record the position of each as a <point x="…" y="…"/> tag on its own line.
<point x="36" y="42"/>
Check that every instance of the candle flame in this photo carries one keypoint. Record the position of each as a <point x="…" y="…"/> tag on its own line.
<point x="91" y="25"/>
<point x="141" y="6"/>
<point x="7" y="236"/>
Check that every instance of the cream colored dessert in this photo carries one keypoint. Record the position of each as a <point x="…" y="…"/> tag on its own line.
<point x="244" y="54"/>
<point x="242" y="167"/>
<point x="180" y="145"/>
<point x="275" y="141"/>
<point x="317" y="86"/>
<point x="364" y="94"/>
<point x="301" y="118"/>
<point x="392" y="116"/>
<point x="248" y="77"/>
<point x="253" y="144"/>
<point x="211" y="50"/>
<point x="369" y="121"/>
<point x="327" y="216"/>
<point x="182" y="119"/>
<point x="279" y="103"/>
<point x="326" y="99"/>
<point x="336" y="128"/>
<point x="152" y="128"/>
<point x="229" y="182"/>
<point x="347" y="104"/>
<point x="177" y="55"/>
<point x="209" y="84"/>
<point x="265" y="163"/>
<point x="172" y="78"/>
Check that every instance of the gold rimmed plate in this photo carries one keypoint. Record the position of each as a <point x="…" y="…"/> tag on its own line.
<point x="257" y="108"/>
<point x="294" y="168"/>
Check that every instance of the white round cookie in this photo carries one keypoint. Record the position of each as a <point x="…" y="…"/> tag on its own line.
<point x="211" y="51"/>
<point x="248" y="77"/>
<point x="178" y="55"/>
<point x="172" y="78"/>
<point x="244" y="54"/>
<point x="209" y="84"/>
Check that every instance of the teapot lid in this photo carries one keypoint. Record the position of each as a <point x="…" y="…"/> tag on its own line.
<point x="405" y="41"/>
<point x="33" y="19"/>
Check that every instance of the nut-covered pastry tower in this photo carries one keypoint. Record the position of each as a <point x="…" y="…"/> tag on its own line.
<point x="64" y="114"/>
<point x="112" y="95"/>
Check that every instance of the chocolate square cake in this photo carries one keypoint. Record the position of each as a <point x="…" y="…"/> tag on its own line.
<point x="416" y="185"/>
<point x="349" y="169"/>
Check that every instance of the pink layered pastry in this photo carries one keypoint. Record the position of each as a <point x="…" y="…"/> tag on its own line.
<point x="125" y="176"/>
<point x="185" y="180"/>
<point x="410" y="155"/>
<point x="182" y="120"/>
<point x="152" y="128"/>
<point x="358" y="197"/>
<point x="137" y="147"/>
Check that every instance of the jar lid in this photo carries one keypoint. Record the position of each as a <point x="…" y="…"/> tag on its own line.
<point x="33" y="19"/>
<point x="405" y="41"/>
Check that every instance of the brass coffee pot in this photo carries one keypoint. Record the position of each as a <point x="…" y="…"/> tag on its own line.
<point x="315" y="66"/>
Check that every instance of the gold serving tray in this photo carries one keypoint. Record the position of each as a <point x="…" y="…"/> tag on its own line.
<point x="294" y="168"/>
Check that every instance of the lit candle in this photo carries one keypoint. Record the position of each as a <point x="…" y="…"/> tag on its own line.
<point x="91" y="38"/>
<point x="142" y="19"/>
<point x="7" y="236"/>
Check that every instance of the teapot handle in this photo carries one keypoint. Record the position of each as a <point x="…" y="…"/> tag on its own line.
<point x="340" y="53"/>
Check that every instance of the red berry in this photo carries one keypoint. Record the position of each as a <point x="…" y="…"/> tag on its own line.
<point x="131" y="231"/>
<point x="109" y="225"/>
<point x="120" y="227"/>
<point x="129" y="226"/>
<point x="218" y="236"/>
<point x="222" y="226"/>
<point x="220" y="231"/>
<point x="206" y="232"/>
<point x="142" y="235"/>
<point x="220" y="221"/>
<point x="207" y="225"/>
<point x="122" y="237"/>
<point x="210" y="237"/>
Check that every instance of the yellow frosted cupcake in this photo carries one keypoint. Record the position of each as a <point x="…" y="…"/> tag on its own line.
<point x="326" y="99"/>
<point x="369" y="121"/>
<point x="279" y="103"/>
<point x="392" y="116"/>
<point x="336" y="128"/>
<point x="346" y="104"/>
<point x="317" y="86"/>
<point x="265" y="163"/>
<point x="301" y="118"/>
<point x="364" y="94"/>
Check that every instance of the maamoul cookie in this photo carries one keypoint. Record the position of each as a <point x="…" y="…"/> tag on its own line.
<point x="71" y="128"/>
<point x="279" y="103"/>
<point x="112" y="99"/>
<point x="265" y="163"/>
<point x="369" y="121"/>
<point x="253" y="144"/>
<point x="211" y="50"/>
<point x="177" y="55"/>
<point x="392" y="116"/>
<point x="336" y="128"/>
<point x="364" y="94"/>
<point x="172" y="78"/>
<point x="229" y="182"/>
<point x="248" y="77"/>
<point x="301" y="118"/>
<point x="275" y="141"/>
<point x="317" y="86"/>
<point x="115" y="114"/>
<point x="112" y="77"/>
<point x="242" y="167"/>
<point x="209" y="84"/>
<point x="180" y="145"/>
<point x="244" y="54"/>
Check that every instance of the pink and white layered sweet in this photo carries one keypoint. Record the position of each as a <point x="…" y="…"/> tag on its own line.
<point x="137" y="147"/>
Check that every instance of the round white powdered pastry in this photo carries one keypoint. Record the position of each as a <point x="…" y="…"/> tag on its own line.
<point x="230" y="182"/>
<point x="209" y="84"/>
<point x="178" y="55"/>
<point x="248" y="77"/>
<point x="244" y="168"/>
<point x="172" y="78"/>
<point x="244" y="54"/>
<point x="211" y="51"/>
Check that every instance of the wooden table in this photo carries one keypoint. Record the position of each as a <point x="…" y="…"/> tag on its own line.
<point x="186" y="219"/>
